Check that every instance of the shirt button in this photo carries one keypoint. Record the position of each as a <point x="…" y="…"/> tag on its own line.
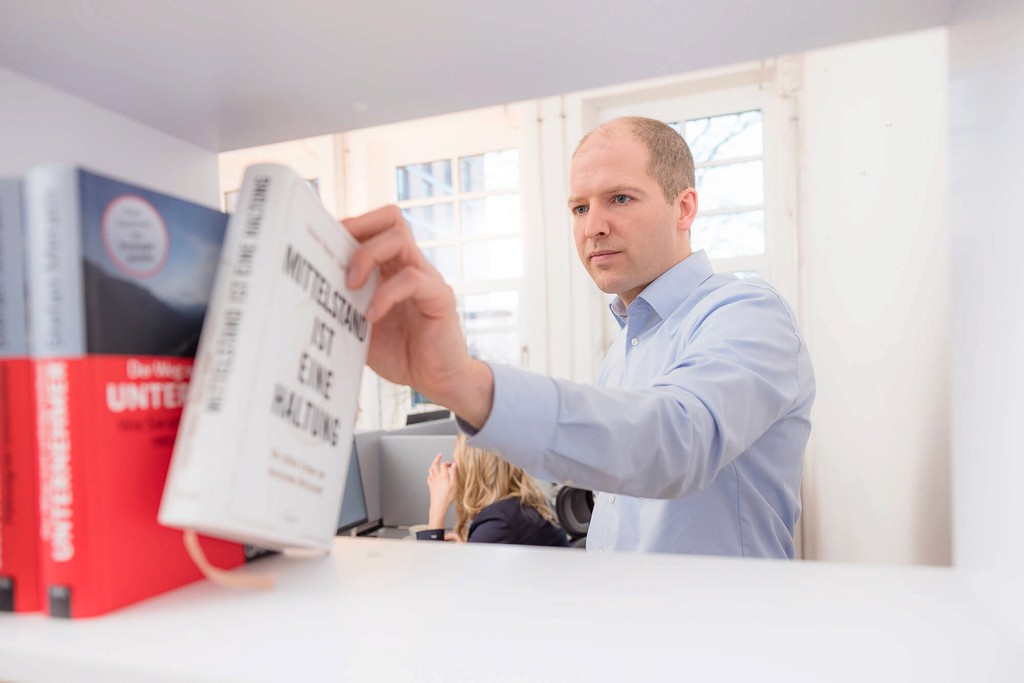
<point x="634" y="341"/>
<point x="611" y="499"/>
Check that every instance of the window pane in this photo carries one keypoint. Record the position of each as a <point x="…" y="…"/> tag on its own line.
<point x="494" y="309"/>
<point x="492" y="259"/>
<point x="432" y="222"/>
<point x="417" y="181"/>
<point x="725" y="137"/>
<point x="491" y="171"/>
<point x="729" y="234"/>
<point x="722" y="187"/>
<point x="497" y="347"/>
<point x="494" y="215"/>
<point x="443" y="258"/>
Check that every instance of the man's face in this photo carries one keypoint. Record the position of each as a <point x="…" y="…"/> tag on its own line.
<point x="626" y="233"/>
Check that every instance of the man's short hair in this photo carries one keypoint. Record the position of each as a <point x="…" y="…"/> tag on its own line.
<point x="670" y="162"/>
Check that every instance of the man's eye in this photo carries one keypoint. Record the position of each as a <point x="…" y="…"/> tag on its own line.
<point x="579" y="210"/>
<point x="621" y="198"/>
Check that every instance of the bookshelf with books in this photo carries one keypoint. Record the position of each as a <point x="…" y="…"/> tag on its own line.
<point x="19" y="513"/>
<point x="118" y="279"/>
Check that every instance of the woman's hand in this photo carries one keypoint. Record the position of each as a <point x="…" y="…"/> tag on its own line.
<point x="441" y="482"/>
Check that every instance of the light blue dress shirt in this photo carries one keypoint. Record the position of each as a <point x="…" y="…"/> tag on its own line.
<point x="696" y="431"/>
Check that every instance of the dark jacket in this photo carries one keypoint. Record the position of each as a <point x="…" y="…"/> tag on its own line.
<point x="507" y="521"/>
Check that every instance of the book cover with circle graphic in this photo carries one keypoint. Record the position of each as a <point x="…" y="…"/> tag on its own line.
<point x="119" y="277"/>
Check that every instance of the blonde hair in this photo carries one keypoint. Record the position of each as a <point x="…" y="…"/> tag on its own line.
<point x="670" y="161"/>
<point x="484" y="478"/>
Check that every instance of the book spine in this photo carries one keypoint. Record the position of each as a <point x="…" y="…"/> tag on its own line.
<point x="223" y="359"/>
<point x="56" y="337"/>
<point x="56" y="298"/>
<point x="13" y="341"/>
<point x="19" y="514"/>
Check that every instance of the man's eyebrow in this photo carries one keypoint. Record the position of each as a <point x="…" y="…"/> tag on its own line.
<point x="618" y="189"/>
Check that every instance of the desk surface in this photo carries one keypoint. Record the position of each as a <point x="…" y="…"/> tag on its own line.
<point x="380" y="609"/>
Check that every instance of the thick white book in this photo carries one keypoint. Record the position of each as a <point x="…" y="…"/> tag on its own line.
<point x="262" y="452"/>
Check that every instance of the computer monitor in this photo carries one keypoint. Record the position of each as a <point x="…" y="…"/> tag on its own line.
<point x="427" y="416"/>
<point x="353" y="500"/>
<point x="368" y="449"/>
<point x="441" y="427"/>
<point x="404" y="461"/>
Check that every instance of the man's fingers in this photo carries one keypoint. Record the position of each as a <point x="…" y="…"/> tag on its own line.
<point x="374" y="222"/>
<point x="390" y="250"/>
<point x="433" y="296"/>
<point x="388" y="242"/>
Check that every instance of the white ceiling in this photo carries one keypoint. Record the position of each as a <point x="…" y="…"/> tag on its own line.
<point x="227" y="74"/>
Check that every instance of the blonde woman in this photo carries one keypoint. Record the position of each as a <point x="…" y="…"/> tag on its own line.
<point x="495" y="502"/>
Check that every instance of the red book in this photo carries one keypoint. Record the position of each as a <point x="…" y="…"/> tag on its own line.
<point x="118" y="278"/>
<point x="19" y="510"/>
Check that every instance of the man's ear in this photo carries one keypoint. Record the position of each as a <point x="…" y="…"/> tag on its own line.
<point x="686" y="208"/>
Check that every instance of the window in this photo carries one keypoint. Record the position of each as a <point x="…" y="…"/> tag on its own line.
<point x="728" y="155"/>
<point x="484" y="194"/>
<point x="465" y="213"/>
<point x="740" y="126"/>
<point x="457" y="179"/>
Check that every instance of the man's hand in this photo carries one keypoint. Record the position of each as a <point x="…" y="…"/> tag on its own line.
<point x="417" y="339"/>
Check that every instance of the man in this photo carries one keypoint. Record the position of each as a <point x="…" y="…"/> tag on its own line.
<point x="695" y="434"/>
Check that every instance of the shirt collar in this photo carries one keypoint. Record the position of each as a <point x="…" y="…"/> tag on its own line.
<point x="671" y="288"/>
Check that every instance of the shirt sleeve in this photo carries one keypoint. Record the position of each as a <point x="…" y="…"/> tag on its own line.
<point x="721" y="386"/>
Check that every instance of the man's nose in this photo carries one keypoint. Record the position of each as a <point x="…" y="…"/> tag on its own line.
<point x="596" y="225"/>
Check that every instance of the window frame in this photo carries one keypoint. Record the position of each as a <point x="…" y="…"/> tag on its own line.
<point x="770" y="86"/>
<point x="375" y="154"/>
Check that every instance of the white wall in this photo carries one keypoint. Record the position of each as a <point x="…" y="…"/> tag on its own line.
<point x="39" y="124"/>
<point x="986" y="152"/>
<point x="875" y="299"/>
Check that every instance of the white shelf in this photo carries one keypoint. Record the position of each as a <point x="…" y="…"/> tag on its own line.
<point x="224" y="75"/>
<point x="398" y="610"/>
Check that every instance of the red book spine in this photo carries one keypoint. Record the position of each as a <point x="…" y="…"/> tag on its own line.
<point x="118" y="279"/>
<point x="19" y="512"/>
<point x="106" y="429"/>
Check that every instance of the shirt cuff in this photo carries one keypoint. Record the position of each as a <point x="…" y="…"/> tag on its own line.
<point x="522" y="419"/>
<point x="430" y="535"/>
